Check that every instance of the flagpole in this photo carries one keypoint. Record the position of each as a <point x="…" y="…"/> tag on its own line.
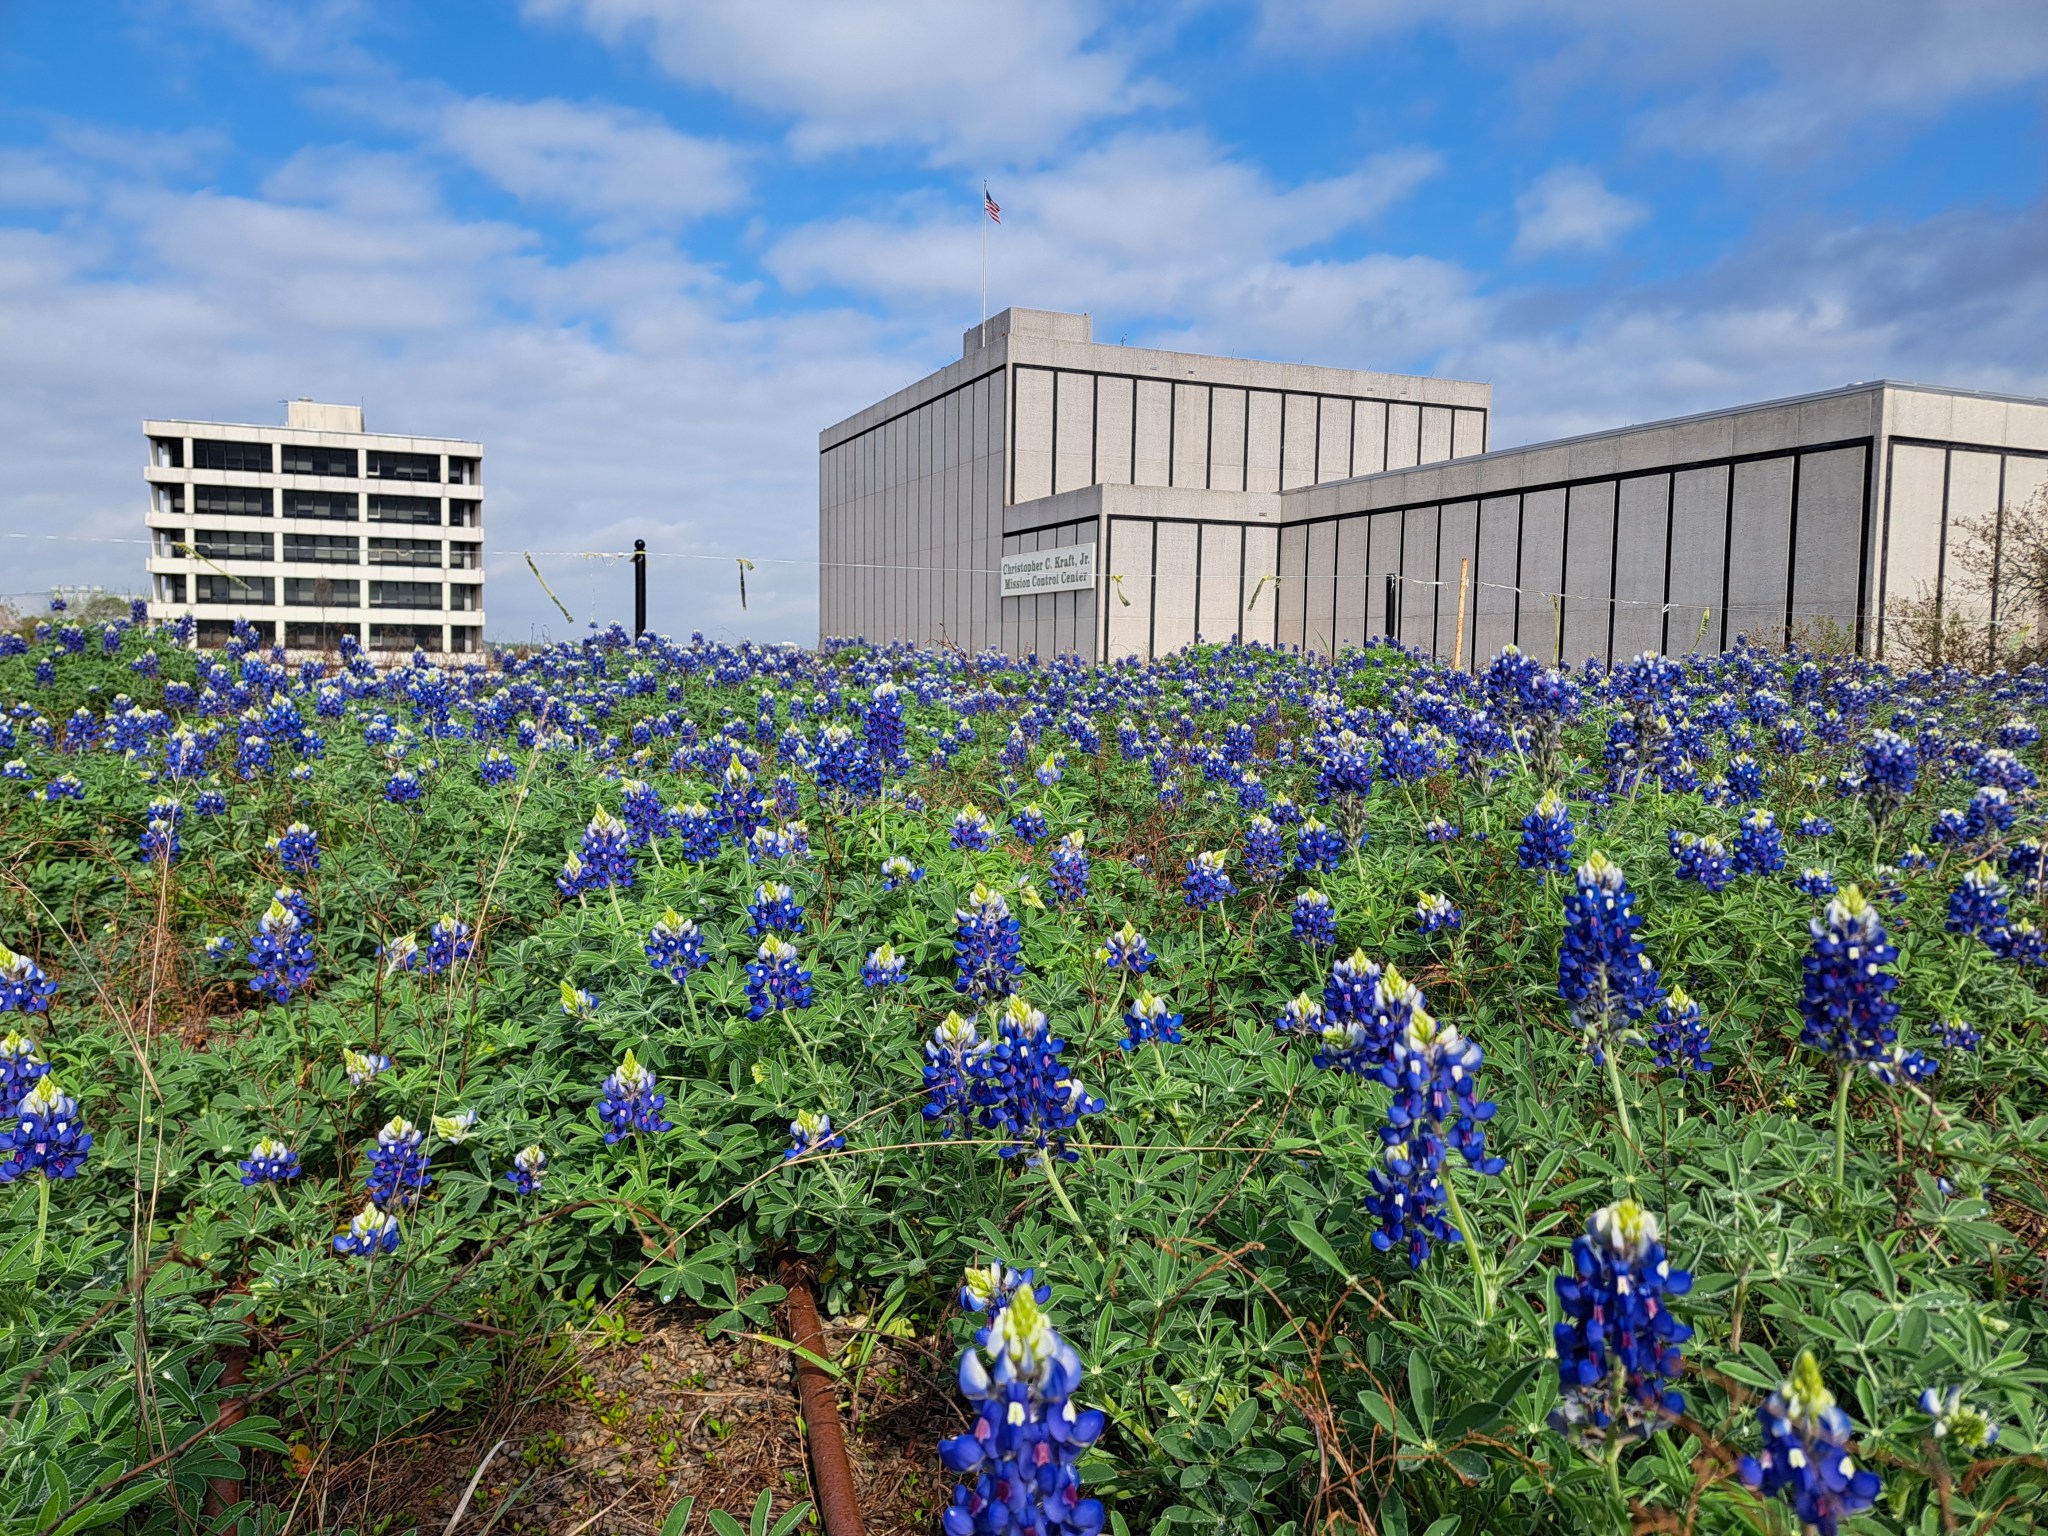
<point x="984" y="261"/>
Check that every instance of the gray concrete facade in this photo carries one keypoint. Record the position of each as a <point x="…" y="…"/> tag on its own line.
<point x="1674" y="536"/>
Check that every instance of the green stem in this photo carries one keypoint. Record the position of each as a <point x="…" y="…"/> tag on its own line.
<point x="1483" y="1290"/>
<point x="640" y="1147"/>
<point x="1841" y="1126"/>
<point x="1628" y="1129"/>
<point x="1613" y="1460"/>
<point x="1052" y="1179"/>
<point x="35" y="1260"/>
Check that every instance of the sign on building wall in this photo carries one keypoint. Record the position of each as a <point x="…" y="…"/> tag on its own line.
<point x="1071" y="569"/>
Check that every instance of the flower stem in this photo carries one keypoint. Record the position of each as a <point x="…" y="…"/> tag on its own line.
<point x="35" y="1259"/>
<point x="1842" y="1126"/>
<point x="1613" y="1461"/>
<point x="1628" y="1129"/>
<point x="1483" y="1291"/>
<point x="1052" y="1179"/>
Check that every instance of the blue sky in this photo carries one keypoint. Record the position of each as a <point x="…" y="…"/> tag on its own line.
<point x="645" y="249"/>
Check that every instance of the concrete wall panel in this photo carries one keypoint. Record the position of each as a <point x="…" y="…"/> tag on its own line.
<point x="1457" y="536"/>
<point x="1130" y="556"/>
<point x="1155" y="432"/>
<point x="1352" y="581"/>
<point x="1031" y="442"/>
<point x="1588" y="570"/>
<point x="1404" y="434"/>
<point x="1699" y="545"/>
<point x="1383" y="559"/>
<point x="1912" y="551"/>
<point x="1226" y="439"/>
<point x="1074" y="444"/>
<point x="1292" y="586"/>
<point x="1759" y="550"/>
<point x="1320" y="588"/>
<point x="1639" y="546"/>
<point x="1369" y="437"/>
<point x="1191" y="436"/>
<point x="1493" y="600"/>
<point x="1222" y="599"/>
<point x="1436" y="433"/>
<point x="1418" y="578"/>
<point x="1261" y="619"/>
<point x="1173" y="588"/>
<point x="1298" y="444"/>
<point x="1468" y="433"/>
<point x="1973" y="503"/>
<point x="1262" y="444"/>
<point x="1542" y="577"/>
<point x="1826" y="569"/>
<point x="1113" y="416"/>
<point x="1333" y="440"/>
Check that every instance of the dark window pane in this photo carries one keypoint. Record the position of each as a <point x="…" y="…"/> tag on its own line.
<point x="465" y="557"/>
<point x="310" y="459"/>
<point x="464" y="514"/>
<point x="319" y="592"/>
<point x="240" y="591"/>
<point x="405" y="594"/>
<point x="465" y="637"/>
<point x="208" y="454"/>
<point x="318" y="637"/>
<point x="215" y="633"/>
<point x="405" y="509"/>
<point x="386" y="465"/>
<point x="464" y="598"/>
<point x="403" y="637"/>
<point x="232" y="544"/>
<point x="336" y="506"/>
<point x="405" y="552"/>
<point x="230" y="501"/>
<point x="167" y="452"/>
<point x="327" y="548"/>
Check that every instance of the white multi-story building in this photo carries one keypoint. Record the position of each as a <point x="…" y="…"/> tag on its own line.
<point x="317" y="529"/>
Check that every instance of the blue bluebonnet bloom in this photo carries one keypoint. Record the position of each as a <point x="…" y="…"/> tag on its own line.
<point x="1678" y="1035"/>
<point x="1745" y="778"/>
<point x="160" y="841"/>
<point x="23" y="986"/>
<point x="1956" y="1035"/>
<point x="1966" y="1427"/>
<point x="1251" y="793"/>
<point x="1206" y="882"/>
<point x="1601" y="968"/>
<point x="1029" y="824"/>
<point x="370" y="1233"/>
<point x="280" y="953"/>
<point x="774" y="909"/>
<point x="1815" y="826"/>
<point x="1434" y="1072"/>
<point x="47" y="1138"/>
<point x="606" y="853"/>
<point x="1547" y="835"/>
<point x="448" y="942"/>
<point x="775" y="980"/>
<point x="1028" y="1438"/>
<point x="21" y="1064"/>
<point x="1049" y="770"/>
<point x="1147" y="1020"/>
<point x="696" y="824"/>
<point x="1317" y="848"/>
<point x="640" y="807"/>
<point x="1703" y="860"/>
<point x="1949" y="826"/>
<point x="1356" y="1032"/>
<point x="740" y="805"/>
<point x="363" y="1067"/>
<point x="297" y="848"/>
<point x="1438" y="830"/>
<point x="884" y="967"/>
<point x="398" y="1166"/>
<point x="270" y="1161"/>
<point x="628" y="1104"/>
<point x="1846" y="1001"/>
<point x="1759" y="845"/>
<point x="1345" y="768"/>
<point x="675" y="946"/>
<point x="1814" y="881"/>
<point x="1891" y="767"/>
<point x="2022" y="944"/>
<point x="497" y="768"/>
<point x="1068" y="873"/>
<point x="971" y="831"/>
<point x="575" y="878"/>
<point x="1409" y="1199"/>
<point x="210" y="802"/>
<point x="577" y="1004"/>
<point x="1805" y="1457"/>
<point x="1301" y="1016"/>
<point x="988" y="949"/>
<point x="1127" y="950"/>
<point x="1025" y="1092"/>
<point x="955" y="1059"/>
<point x="991" y="1287"/>
<point x="1618" y="1349"/>
<point x="811" y="1131"/>
<point x="402" y="788"/>
<point x="899" y="873"/>
<point x="1314" y="919"/>
<point x="1978" y="906"/>
<point x="399" y="955"/>
<point x="1434" y="911"/>
<point x="529" y="1170"/>
<point x="1264" y="850"/>
<point x="253" y="759"/>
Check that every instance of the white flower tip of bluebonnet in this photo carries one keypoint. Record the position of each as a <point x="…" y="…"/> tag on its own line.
<point x="1551" y="805"/>
<point x="46" y="1099"/>
<point x="982" y="1283"/>
<point x="633" y="1078"/>
<point x="1625" y="1229"/>
<point x="1022" y="1338"/>
<point x="775" y="949"/>
<point x="455" y="1127"/>
<point x="531" y="1160"/>
<point x="397" y="1129"/>
<point x="1027" y="1019"/>
<point x="1805" y="1395"/>
<point x="269" y="1149"/>
<point x="811" y="1126"/>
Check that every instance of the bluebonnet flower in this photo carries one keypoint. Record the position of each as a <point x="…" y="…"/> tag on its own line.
<point x="1891" y="767"/>
<point x="21" y="1065"/>
<point x="2000" y="767"/>
<point x="1068" y="873"/>
<point x="1805" y="1457"/>
<point x="1314" y="919"/>
<point x="1251" y="793"/>
<point x="2018" y="733"/>
<point x="991" y="1287"/>
<point x="884" y="967"/>
<point x="210" y="802"/>
<point x="882" y="725"/>
<point x="1357" y="1032"/>
<point x="775" y="980"/>
<point x="1409" y="1198"/>
<point x="48" y="1137"/>
<point x="740" y="805"/>
<point x="23" y="986"/>
<point x="160" y="840"/>
<point x="1949" y="826"/>
<point x="675" y="946"/>
<point x="1127" y="950"/>
<point x="1618" y="1353"/>
<point x="641" y="809"/>
<point x="1434" y="1072"/>
<point x="1302" y="1016"/>
<point x="811" y="1132"/>
<point x="1147" y="1019"/>
<point x="971" y="831"/>
<point x="1978" y="906"/>
<point x="1895" y="1065"/>
<point x="1678" y="1035"/>
<point x="774" y="909"/>
<point x="955" y="1059"/>
<point x="1206" y="882"/>
<point x="1438" y="830"/>
<point x="297" y="848"/>
<point x="1955" y="1035"/>
<point x="1434" y="911"/>
<point x="66" y="786"/>
<point x="2026" y="866"/>
<point x="1703" y="860"/>
<point x="402" y="788"/>
<point x="577" y="1004"/>
<point x="270" y="1161"/>
<point x="1049" y="770"/>
<point x="1846" y="1000"/>
<point x="988" y="949"/>
<point x="1990" y="811"/>
<point x="1601" y="968"/>
<point x="1345" y="768"/>
<point x="253" y="759"/>
<point x="1915" y="860"/>
<point x="1029" y="824"/>
<point x="1814" y="881"/>
<point x="1025" y="1092"/>
<point x="1408" y="755"/>
<point x="1028" y="1438"/>
<point x="606" y="856"/>
<point x="1284" y="811"/>
<point x="1317" y="848"/>
<point x="1745" y="779"/>
<point x="1759" y="845"/>
<point x="1547" y="836"/>
<point x="363" y="1067"/>
<point x="697" y="825"/>
<point x="1815" y="826"/>
<point x="1264" y="850"/>
<point x="628" y="1104"/>
<point x="398" y="1166"/>
<point x="370" y="1233"/>
<point x="457" y="1127"/>
<point x="15" y="768"/>
<point x="529" y="1170"/>
<point x="399" y="955"/>
<point x="497" y="768"/>
<point x="448" y="941"/>
<point x="2022" y="944"/>
<point x="280" y="952"/>
<point x="1967" y="1428"/>
<point x="899" y="873"/>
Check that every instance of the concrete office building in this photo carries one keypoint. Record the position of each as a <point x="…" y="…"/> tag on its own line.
<point x="1331" y="507"/>
<point x="317" y="529"/>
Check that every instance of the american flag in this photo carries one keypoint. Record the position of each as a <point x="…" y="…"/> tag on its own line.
<point x="990" y="206"/>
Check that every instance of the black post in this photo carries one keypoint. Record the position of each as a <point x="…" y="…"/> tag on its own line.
<point x="639" y="588"/>
<point x="1393" y="606"/>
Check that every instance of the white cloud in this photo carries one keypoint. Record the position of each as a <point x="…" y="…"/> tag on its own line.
<point x="1570" y="209"/>
<point x="1009" y="79"/>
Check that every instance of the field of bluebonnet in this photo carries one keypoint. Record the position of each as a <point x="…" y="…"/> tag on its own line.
<point x="1289" y="1094"/>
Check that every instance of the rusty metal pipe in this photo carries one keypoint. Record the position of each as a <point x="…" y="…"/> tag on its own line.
<point x="831" y="1473"/>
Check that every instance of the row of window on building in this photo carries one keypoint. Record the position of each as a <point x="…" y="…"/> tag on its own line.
<point x="313" y="459"/>
<point x="326" y="506"/>
<point x="315" y="548"/>
<point x="223" y="590"/>
<point x="327" y="636"/>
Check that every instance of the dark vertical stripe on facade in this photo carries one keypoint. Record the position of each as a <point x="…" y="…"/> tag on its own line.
<point x="1948" y="469"/>
<point x="1792" y="544"/>
<point x="1244" y="546"/>
<point x="1095" y="430"/>
<point x="1152" y="609"/>
<point x="1863" y="525"/>
<point x="1613" y="571"/>
<point x="1209" y="453"/>
<point x="1519" y="499"/>
<point x="1564" y="577"/>
<point x="1727" y="553"/>
<point x="1670" y="511"/>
